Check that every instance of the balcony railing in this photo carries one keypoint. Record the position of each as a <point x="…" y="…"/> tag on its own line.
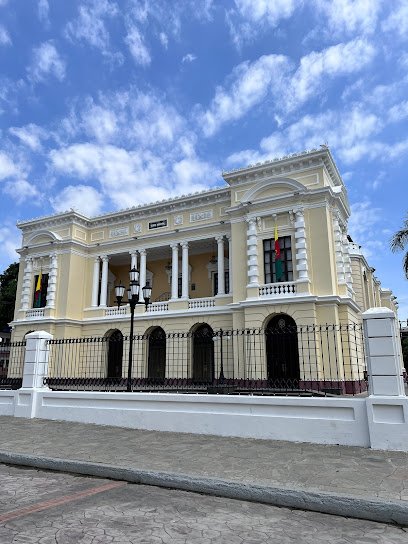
<point x="281" y="289"/>
<point x="201" y="303"/>
<point x="158" y="307"/>
<point x="35" y="313"/>
<point x="116" y="311"/>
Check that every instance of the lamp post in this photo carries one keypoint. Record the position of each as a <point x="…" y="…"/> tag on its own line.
<point x="133" y="299"/>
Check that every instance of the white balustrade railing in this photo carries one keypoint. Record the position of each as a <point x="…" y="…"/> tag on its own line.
<point x="35" y="312"/>
<point x="123" y="310"/>
<point x="281" y="289"/>
<point x="158" y="307"/>
<point x="196" y="303"/>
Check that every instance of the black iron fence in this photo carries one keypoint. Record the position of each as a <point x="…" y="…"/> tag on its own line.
<point x="299" y="360"/>
<point x="11" y="364"/>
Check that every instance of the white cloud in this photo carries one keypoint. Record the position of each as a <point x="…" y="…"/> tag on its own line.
<point x="189" y="58"/>
<point x="397" y="21"/>
<point x="46" y="61"/>
<point x="100" y="123"/>
<point x="316" y="67"/>
<point x="30" y="135"/>
<point x="43" y="11"/>
<point x="250" y="85"/>
<point x="82" y="198"/>
<point x="398" y="112"/>
<point x="364" y="227"/>
<point x="349" y="16"/>
<point x="21" y="190"/>
<point x="264" y="10"/>
<point x="90" y="25"/>
<point x="137" y="47"/>
<point x="249" y="16"/>
<point x="10" y="239"/>
<point x="4" y="36"/>
<point x="7" y="167"/>
<point x="350" y="134"/>
<point x="164" y="39"/>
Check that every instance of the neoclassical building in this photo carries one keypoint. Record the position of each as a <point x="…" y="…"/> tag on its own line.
<point x="209" y="258"/>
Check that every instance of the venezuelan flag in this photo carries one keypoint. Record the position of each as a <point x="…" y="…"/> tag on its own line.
<point x="278" y="257"/>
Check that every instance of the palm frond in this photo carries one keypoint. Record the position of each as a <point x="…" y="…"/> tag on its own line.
<point x="399" y="240"/>
<point x="405" y="265"/>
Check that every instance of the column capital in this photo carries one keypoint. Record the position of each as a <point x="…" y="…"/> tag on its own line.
<point x="299" y="212"/>
<point x="105" y="258"/>
<point x="53" y="255"/>
<point x="228" y="236"/>
<point x="97" y="259"/>
<point x="219" y="238"/>
<point x="174" y="245"/>
<point x="142" y="251"/>
<point x="133" y="252"/>
<point x="29" y="259"/>
<point x="184" y="244"/>
<point x="250" y="220"/>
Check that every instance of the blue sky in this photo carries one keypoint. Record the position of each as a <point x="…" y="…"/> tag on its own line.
<point x="109" y="103"/>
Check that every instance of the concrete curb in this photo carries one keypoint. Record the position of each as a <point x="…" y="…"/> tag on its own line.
<point x="328" y="503"/>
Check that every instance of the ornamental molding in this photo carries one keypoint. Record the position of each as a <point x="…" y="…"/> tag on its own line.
<point x="287" y="164"/>
<point x="177" y="204"/>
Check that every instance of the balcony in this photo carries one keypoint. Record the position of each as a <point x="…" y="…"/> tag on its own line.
<point x="35" y="313"/>
<point x="201" y="303"/>
<point x="281" y="289"/>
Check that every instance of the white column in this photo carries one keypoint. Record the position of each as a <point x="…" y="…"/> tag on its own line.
<point x="184" y="270"/>
<point x="95" y="282"/>
<point x="104" y="282"/>
<point x="229" y="238"/>
<point x="220" y="262"/>
<point x="52" y="280"/>
<point x="142" y="277"/>
<point x="252" y="252"/>
<point x="347" y="262"/>
<point x="174" y="270"/>
<point x="302" y="268"/>
<point x="133" y="259"/>
<point x="338" y="243"/>
<point x="27" y="279"/>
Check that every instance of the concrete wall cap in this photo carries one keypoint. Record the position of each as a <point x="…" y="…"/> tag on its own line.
<point x="39" y="334"/>
<point x="378" y="313"/>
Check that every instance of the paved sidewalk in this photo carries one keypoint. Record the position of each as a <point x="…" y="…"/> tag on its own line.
<point x="350" y="481"/>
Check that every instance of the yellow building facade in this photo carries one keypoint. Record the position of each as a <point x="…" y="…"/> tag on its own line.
<point x="209" y="258"/>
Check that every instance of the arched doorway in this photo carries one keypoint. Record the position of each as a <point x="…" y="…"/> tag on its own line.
<point x="115" y="354"/>
<point x="203" y="354"/>
<point x="282" y="352"/>
<point x="156" y="365"/>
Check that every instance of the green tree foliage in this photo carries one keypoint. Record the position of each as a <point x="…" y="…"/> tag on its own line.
<point x="8" y="288"/>
<point x="399" y="242"/>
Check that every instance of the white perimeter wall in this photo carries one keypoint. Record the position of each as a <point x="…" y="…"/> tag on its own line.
<point x="317" y="420"/>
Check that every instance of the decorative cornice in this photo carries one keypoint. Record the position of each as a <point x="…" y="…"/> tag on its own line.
<point x="285" y="165"/>
<point x="176" y="204"/>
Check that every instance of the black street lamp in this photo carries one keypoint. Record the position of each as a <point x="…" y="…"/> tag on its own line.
<point x="133" y="299"/>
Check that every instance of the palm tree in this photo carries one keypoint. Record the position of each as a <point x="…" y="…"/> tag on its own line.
<point x="398" y="243"/>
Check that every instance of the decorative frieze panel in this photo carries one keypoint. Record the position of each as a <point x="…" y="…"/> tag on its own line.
<point x="178" y="220"/>
<point x="137" y="228"/>
<point x="80" y="234"/>
<point x="96" y="236"/>
<point x="201" y="216"/>
<point x="121" y="231"/>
